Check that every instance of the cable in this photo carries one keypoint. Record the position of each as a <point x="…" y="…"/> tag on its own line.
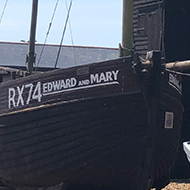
<point x="47" y="34"/>
<point x="72" y="41"/>
<point x="3" y="11"/>
<point x="178" y="73"/>
<point x="64" y="30"/>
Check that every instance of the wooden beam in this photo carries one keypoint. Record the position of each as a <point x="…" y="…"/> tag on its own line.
<point x="178" y="66"/>
<point x="174" y="66"/>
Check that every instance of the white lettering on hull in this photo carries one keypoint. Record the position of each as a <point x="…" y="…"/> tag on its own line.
<point x="17" y="95"/>
<point x="23" y="95"/>
<point x="174" y="82"/>
<point x="59" y="85"/>
<point x="104" y="77"/>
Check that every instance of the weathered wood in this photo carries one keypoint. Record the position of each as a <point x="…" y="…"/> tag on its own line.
<point x="70" y="84"/>
<point x="87" y="133"/>
<point x="178" y="65"/>
<point x="110" y="124"/>
<point x="174" y="66"/>
<point x="157" y="25"/>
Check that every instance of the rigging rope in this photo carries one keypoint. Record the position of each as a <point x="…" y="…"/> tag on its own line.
<point x="177" y="72"/>
<point x="72" y="41"/>
<point x="4" y="8"/>
<point x="47" y="34"/>
<point x="64" y="30"/>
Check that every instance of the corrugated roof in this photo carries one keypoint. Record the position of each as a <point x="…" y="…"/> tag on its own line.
<point x="14" y="54"/>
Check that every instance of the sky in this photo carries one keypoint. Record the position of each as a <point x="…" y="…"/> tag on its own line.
<point x="91" y="23"/>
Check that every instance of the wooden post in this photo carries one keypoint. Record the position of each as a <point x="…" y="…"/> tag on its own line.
<point x="152" y="99"/>
<point x="127" y="33"/>
<point x="31" y="55"/>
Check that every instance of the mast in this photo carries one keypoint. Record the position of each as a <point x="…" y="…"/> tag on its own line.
<point x="31" y="54"/>
<point x="127" y="32"/>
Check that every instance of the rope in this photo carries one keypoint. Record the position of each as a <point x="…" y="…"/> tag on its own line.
<point x="177" y="73"/>
<point x="47" y="34"/>
<point x="3" y="11"/>
<point x="64" y="30"/>
<point x="72" y="41"/>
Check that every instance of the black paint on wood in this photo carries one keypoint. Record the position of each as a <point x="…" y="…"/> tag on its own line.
<point x="162" y="25"/>
<point x="92" y="129"/>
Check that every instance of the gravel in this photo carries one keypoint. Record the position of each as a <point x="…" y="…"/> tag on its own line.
<point x="178" y="185"/>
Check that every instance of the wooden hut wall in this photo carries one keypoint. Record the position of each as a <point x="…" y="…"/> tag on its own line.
<point x="165" y="25"/>
<point x="162" y="25"/>
<point x="147" y="25"/>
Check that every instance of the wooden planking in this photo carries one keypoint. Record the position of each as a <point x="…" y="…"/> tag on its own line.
<point x="74" y="135"/>
<point x="166" y="156"/>
<point x="147" y="23"/>
<point x="107" y="126"/>
<point x="166" y="147"/>
<point x="76" y="159"/>
<point x="182" y="167"/>
<point x="162" y="22"/>
<point x="126" y="82"/>
<point x="66" y="119"/>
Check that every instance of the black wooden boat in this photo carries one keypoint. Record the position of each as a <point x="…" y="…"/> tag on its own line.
<point x="90" y="124"/>
<point x="103" y="123"/>
<point x="114" y="124"/>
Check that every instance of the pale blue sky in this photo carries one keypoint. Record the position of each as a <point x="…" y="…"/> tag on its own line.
<point x="94" y="22"/>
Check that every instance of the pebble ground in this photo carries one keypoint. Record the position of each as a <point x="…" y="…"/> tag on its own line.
<point x="178" y="185"/>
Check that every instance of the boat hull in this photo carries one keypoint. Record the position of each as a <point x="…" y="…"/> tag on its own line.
<point x="92" y="141"/>
<point x="167" y="142"/>
<point x="111" y="133"/>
